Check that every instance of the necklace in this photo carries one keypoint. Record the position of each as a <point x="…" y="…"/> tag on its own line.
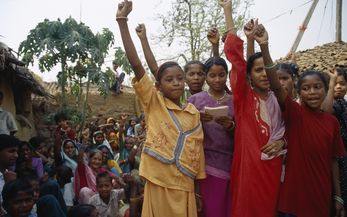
<point x="218" y="100"/>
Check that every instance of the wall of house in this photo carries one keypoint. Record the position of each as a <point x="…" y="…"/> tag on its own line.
<point x="24" y="105"/>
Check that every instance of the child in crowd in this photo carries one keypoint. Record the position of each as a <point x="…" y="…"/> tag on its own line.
<point x="106" y="200"/>
<point x="288" y="74"/>
<point x="218" y="140"/>
<point x="173" y="156"/>
<point x="63" y="130"/>
<point x="18" y="198"/>
<point x="65" y="179"/>
<point x="257" y="164"/>
<point x="131" y="127"/>
<point x="26" y="161"/>
<point x="69" y="154"/>
<point x="83" y="210"/>
<point x="41" y="149"/>
<point x="311" y="166"/>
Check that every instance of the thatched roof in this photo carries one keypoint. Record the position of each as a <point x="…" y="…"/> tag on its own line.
<point x="322" y="58"/>
<point x="16" y="73"/>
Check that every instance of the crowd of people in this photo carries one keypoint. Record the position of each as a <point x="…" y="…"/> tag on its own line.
<point x="273" y="145"/>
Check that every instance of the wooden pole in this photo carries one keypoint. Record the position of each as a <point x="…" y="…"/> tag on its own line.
<point x="303" y="27"/>
<point x="338" y="20"/>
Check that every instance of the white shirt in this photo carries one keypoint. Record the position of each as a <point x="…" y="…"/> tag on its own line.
<point x="7" y="122"/>
<point x="110" y="209"/>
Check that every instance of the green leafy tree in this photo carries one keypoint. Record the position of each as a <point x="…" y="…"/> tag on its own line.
<point x="122" y="60"/>
<point x="188" y="22"/>
<point x="65" y="43"/>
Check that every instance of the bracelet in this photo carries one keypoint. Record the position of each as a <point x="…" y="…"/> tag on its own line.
<point x="122" y="18"/>
<point x="264" y="42"/>
<point x="232" y="125"/>
<point x="339" y="199"/>
<point x="270" y="66"/>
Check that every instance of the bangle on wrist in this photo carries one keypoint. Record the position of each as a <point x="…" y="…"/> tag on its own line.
<point x="270" y="66"/>
<point x="339" y="199"/>
<point x="232" y="125"/>
<point x="264" y="42"/>
<point x="122" y="18"/>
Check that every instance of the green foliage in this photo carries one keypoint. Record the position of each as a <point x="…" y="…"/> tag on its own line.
<point x="122" y="60"/>
<point x="188" y="22"/>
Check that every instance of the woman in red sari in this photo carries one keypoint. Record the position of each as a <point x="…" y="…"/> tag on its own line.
<point x="256" y="166"/>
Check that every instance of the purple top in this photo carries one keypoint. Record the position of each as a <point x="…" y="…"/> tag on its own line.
<point x="218" y="141"/>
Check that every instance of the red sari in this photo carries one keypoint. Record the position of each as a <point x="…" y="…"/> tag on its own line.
<point x="254" y="183"/>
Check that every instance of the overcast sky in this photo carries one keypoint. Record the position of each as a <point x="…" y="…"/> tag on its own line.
<point x="18" y="17"/>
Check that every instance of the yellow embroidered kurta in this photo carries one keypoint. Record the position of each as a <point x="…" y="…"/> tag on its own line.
<point x="173" y="153"/>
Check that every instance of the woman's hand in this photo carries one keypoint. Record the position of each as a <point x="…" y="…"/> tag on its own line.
<point x="225" y="4"/>
<point x="141" y="31"/>
<point x="274" y="147"/>
<point x="260" y="34"/>
<point x="226" y="121"/>
<point x="213" y="36"/>
<point x="205" y="117"/>
<point x="124" y="9"/>
<point x="248" y="29"/>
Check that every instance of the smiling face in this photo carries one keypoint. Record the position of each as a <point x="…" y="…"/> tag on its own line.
<point x="25" y="152"/>
<point x="99" y="139"/>
<point x="340" y="87"/>
<point x="258" y="76"/>
<point x="172" y="83"/>
<point x="195" y="78"/>
<point x="69" y="149"/>
<point x="312" y="92"/>
<point x="216" y="78"/>
<point x="96" y="161"/>
<point x="104" y="187"/>
<point x="8" y="156"/>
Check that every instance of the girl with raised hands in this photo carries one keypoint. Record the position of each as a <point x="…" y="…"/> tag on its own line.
<point x="173" y="156"/>
<point x="258" y="139"/>
<point x="314" y="143"/>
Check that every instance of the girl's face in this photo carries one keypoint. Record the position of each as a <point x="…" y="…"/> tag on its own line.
<point x="216" y="78"/>
<point x="195" y="78"/>
<point x="104" y="155"/>
<point x="172" y="84"/>
<point x="132" y="123"/>
<point x="99" y="139"/>
<point x="286" y="81"/>
<point x="312" y="92"/>
<point x="340" y="87"/>
<point x="259" y="77"/>
<point x="69" y="149"/>
<point x="26" y="152"/>
<point x="42" y="149"/>
<point x="96" y="161"/>
<point x="21" y="205"/>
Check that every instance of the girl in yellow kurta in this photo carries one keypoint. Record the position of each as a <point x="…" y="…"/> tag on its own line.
<point x="173" y="154"/>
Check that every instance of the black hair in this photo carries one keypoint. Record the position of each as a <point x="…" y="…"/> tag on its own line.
<point x="103" y="175"/>
<point x="1" y="95"/>
<point x="60" y="116"/>
<point x="316" y="73"/>
<point x="215" y="61"/>
<point x="8" y="141"/>
<point x="197" y="62"/>
<point x="342" y="72"/>
<point x="11" y="189"/>
<point x="81" y="210"/>
<point x="36" y="141"/>
<point x="64" y="175"/>
<point x="291" y="68"/>
<point x="165" y="66"/>
<point x="250" y="61"/>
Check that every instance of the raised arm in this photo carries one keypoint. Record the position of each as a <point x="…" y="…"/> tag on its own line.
<point x="150" y="59"/>
<point x="261" y="36"/>
<point x="229" y="22"/>
<point x="250" y="39"/>
<point x="123" y="11"/>
<point x="213" y="37"/>
<point x="328" y="102"/>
